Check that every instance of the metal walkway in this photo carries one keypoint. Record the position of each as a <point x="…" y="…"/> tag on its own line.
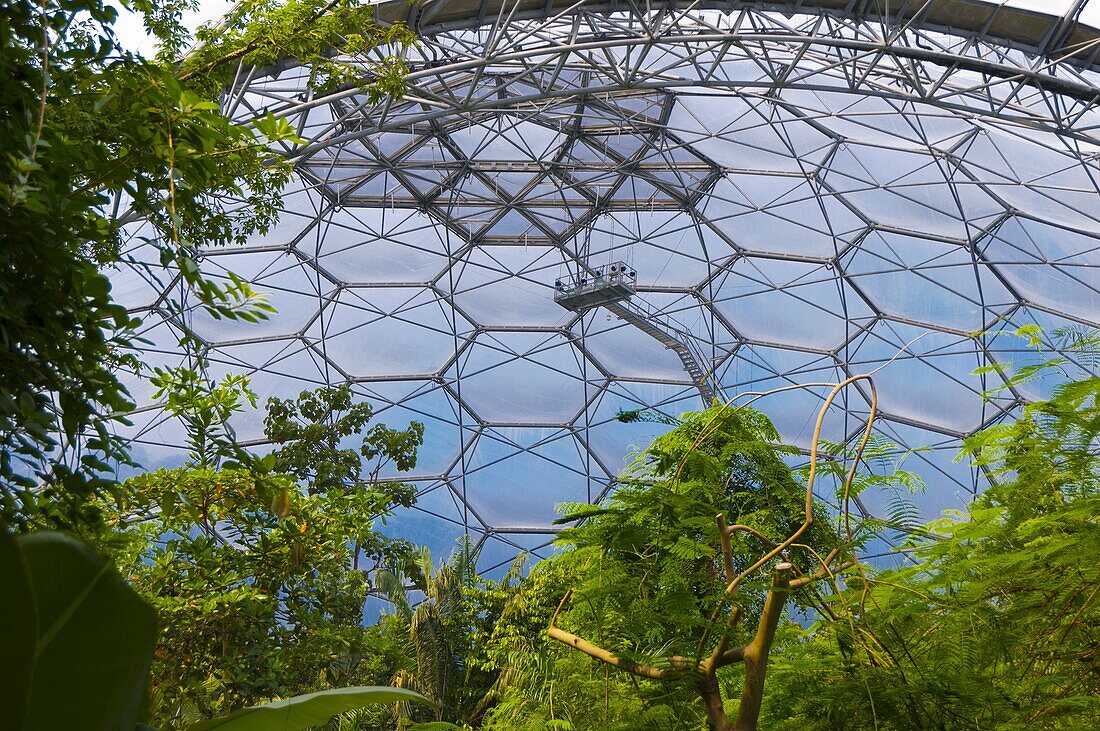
<point x="612" y="289"/>
<point x="669" y="336"/>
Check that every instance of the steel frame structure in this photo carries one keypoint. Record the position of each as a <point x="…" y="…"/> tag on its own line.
<point x="812" y="189"/>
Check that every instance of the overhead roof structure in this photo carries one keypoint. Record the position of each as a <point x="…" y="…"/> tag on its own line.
<point x="805" y="190"/>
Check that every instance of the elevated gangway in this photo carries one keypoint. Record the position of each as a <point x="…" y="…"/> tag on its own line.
<point x="613" y="289"/>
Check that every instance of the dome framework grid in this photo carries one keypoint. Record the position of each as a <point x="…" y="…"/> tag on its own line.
<point x="805" y="189"/>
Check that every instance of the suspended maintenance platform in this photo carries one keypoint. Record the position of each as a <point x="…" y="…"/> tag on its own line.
<point x="584" y="291"/>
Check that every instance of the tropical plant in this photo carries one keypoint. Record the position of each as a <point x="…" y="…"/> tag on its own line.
<point x="995" y="624"/>
<point x="543" y="686"/>
<point x="78" y="643"/>
<point x="266" y="32"/>
<point x="309" y="710"/>
<point x="260" y="567"/>
<point x="83" y="120"/>
<point x="682" y="576"/>
<point x="444" y="633"/>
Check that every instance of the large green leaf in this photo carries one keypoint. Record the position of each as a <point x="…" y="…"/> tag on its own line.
<point x="95" y="639"/>
<point x="312" y="709"/>
<point x="18" y="630"/>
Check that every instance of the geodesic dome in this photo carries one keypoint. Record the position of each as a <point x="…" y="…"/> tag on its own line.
<point x="804" y="190"/>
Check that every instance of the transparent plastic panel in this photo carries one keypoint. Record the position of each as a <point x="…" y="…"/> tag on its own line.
<point x="756" y="369"/>
<point x="386" y="332"/>
<point x="302" y="202"/>
<point x="157" y="439"/>
<point x="782" y="215"/>
<point x="508" y="285"/>
<point x="140" y="281"/>
<point x="500" y="551"/>
<point x="160" y="348"/>
<point x="927" y="377"/>
<point x="275" y="369"/>
<point x="949" y="484"/>
<point x="447" y="426"/>
<point x="623" y="351"/>
<point x="665" y="248"/>
<point x="438" y="521"/>
<point x="377" y="245"/>
<point x="1009" y="343"/>
<point x="908" y="190"/>
<point x="788" y="303"/>
<point x="737" y="132"/>
<point x="296" y="291"/>
<point x="1037" y="174"/>
<point x="506" y="137"/>
<point x="524" y="378"/>
<point x="882" y="121"/>
<point x="613" y="441"/>
<point x="927" y="281"/>
<point x="1049" y="266"/>
<point x="517" y="478"/>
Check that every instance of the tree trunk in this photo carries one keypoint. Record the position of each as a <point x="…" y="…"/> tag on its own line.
<point x="756" y="654"/>
<point x="712" y="700"/>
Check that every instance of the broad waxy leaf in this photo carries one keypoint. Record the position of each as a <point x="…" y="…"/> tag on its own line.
<point x="95" y="638"/>
<point x="18" y="630"/>
<point x="312" y="709"/>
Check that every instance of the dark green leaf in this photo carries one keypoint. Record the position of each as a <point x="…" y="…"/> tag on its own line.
<point x="95" y="639"/>
<point x="18" y="631"/>
<point x="303" y="711"/>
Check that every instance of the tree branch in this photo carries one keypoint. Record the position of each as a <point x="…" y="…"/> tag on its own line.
<point x="729" y="657"/>
<point x="754" y="656"/>
<point x="727" y="552"/>
<point x="635" y="668"/>
<point x="820" y="574"/>
<point x="778" y="548"/>
<point x="568" y="638"/>
<point x="247" y="48"/>
<point x="751" y="531"/>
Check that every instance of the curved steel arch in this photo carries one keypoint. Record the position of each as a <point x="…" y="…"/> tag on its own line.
<point x="965" y="67"/>
<point x="1040" y="33"/>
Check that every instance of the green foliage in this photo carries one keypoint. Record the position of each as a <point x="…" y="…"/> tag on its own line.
<point x="997" y="623"/>
<point x="445" y="636"/>
<point x="84" y="120"/>
<point x="259" y="572"/>
<point x="544" y="686"/>
<point x="883" y="472"/>
<point x="652" y="553"/>
<point x="255" y="606"/>
<point x="648" y="575"/>
<point x="312" y="430"/>
<point x="81" y="119"/>
<point x="77" y="642"/>
<point x="636" y="415"/>
<point x="58" y="325"/>
<point x="319" y="34"/>
<point x="205" y="407"/>
<point x="77" y="646"/>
